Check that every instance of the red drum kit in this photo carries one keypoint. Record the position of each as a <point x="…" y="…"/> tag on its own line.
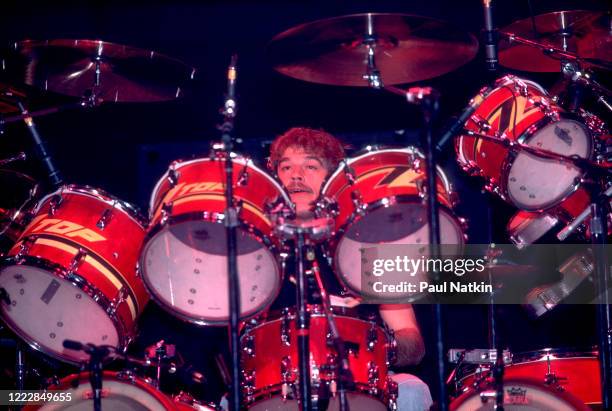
<point x="80" y="265"/>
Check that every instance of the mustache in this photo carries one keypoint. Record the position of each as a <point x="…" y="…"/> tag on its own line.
<point x="298" y="187"/>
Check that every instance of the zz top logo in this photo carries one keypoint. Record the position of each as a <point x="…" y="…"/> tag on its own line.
<point x="67" y="228"/>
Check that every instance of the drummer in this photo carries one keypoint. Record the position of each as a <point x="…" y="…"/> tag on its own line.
<point x="302" y="158"/>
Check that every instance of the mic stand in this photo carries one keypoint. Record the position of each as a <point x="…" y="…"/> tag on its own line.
<point x="427" y="99"/>
<point x="345" y="376"/>
<point x="52" y="172"/>
<point x="231" y="224"/>
<point x="302" y="325"/>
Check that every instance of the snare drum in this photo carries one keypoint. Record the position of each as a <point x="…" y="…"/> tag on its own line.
<point x="520" y="111"/>
<point x="380" y="197"/>
<point x="72" y="273"/>
<point x="120" y="391"/>
<point x="558" y="371"/>
<point x="184" y="260"/>
<point x="270" y="364"/>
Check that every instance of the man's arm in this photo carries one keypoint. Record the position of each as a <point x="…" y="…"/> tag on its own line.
<point x="410" y="346"/>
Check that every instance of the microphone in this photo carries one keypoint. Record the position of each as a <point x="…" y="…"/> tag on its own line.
<point x="457" y="126"/>
<point x="230" y="98"/>
<point x="490" y="38"/>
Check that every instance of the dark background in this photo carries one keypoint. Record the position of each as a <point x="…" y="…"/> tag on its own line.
<point x="125" y="148"/>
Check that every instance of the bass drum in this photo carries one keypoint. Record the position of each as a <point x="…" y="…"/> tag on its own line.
<point x="519" y="395"/>
<point x="121" y="391"/>
<point x="559" y="370"/>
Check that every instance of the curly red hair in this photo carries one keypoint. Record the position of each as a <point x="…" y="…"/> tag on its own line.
<point x="315" y="142"/>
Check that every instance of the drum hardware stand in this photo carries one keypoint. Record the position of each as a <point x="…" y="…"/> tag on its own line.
<point x="97" y="354"/>
<point x="19" y="157"/>
<point x="231" y="224"/>
<point x="345" y="376"/>
<point x="160" y="352"/>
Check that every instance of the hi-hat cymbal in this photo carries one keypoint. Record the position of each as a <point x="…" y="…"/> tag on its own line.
<point x="407" y="48"/>
<point x="126" y="74"/>
<point x="583" y="33"/>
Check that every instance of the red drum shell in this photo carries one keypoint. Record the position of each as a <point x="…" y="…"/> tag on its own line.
<point x="65" y="237"/>
<point x="268" y="351"/>
<point x="184" y="261"/>
<point x="517" y="110"/>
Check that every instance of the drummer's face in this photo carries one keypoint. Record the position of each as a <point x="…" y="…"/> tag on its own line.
<point x="302" y="174"/>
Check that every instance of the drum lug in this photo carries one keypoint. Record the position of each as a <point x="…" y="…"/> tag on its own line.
<point x="243" y="177"/>
<point x="392" y="393"/>
<point x="24" y="247"/>
<point x="285" y="331"/>
<point x="248" y="385"/>
<point x="104" y="219"/>
<point x="249" y="346"/>
<point x="391" y="348"/>
<point x="350" y="174"/>
<point x="373" y="378"/>
<point x="77" y="260"/>
<point x="371" y="338"/>
<point x="357" y="199"/>
<point x="54" y="204"/>
<point x="327" y="206"/>
<point x="288" y="377"/>
<point x="173" y="176"/>
<point x="126" y="375"/>
<point x="119" y="298"/>
<point x="166" y="211"/>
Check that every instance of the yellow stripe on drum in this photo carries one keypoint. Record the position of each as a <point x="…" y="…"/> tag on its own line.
<point x="95" y="264"/>
<point x="221" y="197"/>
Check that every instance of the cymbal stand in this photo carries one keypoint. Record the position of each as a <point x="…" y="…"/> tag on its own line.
<point x="302" y="325"/>
<point x="231" y="225"/>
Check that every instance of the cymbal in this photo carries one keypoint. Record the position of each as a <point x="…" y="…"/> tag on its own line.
<point x="584" y="33"/>
<point x="126" y="74"/>
<point x="408" y="48"/>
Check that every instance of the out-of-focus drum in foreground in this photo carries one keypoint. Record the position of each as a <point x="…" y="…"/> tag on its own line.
<point x="72" y="273"/>
<point x="184" y="260"/>
<point x="121" y="391"/>
<point x="269" y="353"/>
<point x="551" y="372"/>
<point x="520" y="111"/>
<point x="380" y="197"/>
<point x="519" y="395"/>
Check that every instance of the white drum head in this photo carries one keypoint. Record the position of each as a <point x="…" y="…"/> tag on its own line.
<point x="409" y="226"/>
<point x="185" y="268"/>
<point x="536" y="183"/>
<point x="46" y="310"/>
<point x="520" y="396"/>
<point x="117" y="396"/>
<point x="357" y="402"/>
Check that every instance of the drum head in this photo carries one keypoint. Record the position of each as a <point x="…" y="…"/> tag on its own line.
<point x="185" y="268"/>
<point x="357" y="402"/>
<point x="535" y="183"/>
<point x="118" y="396"/>
<point x="521" y="395"/>
<point x="376" y="230"/>
<point x="45" y="310"/>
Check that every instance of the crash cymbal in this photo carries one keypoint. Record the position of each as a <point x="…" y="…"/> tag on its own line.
<point x="407" y="48"/>
<point x="126" y="74"/>
<point x="583" y="33"/>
